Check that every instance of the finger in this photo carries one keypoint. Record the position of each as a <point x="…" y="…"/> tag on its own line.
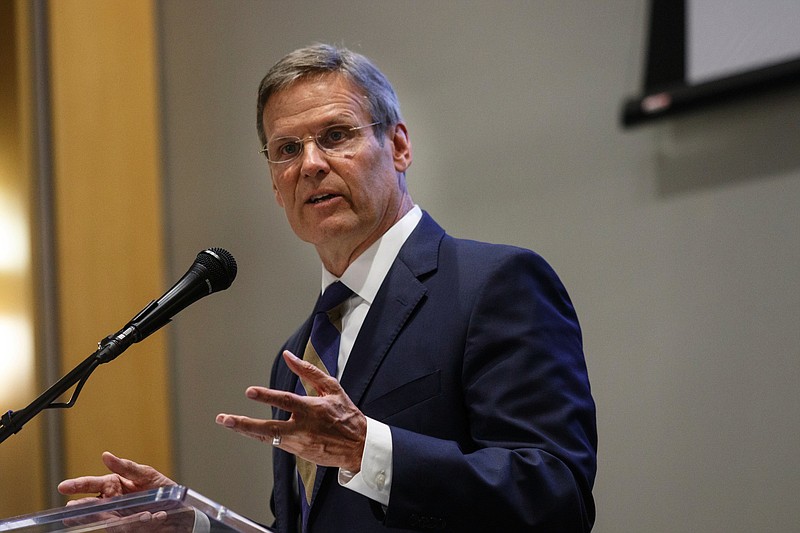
<point x="269" y="431"/>
<point x="79" y="501"/>
<point x="83" y="485"/>
<point x="124" y="467"/>
<point x="129" y="524"/>
<point x="245" y="424"/>
<point x="323" y="382"/>
<point x="299" y="366"/>
<point x="285" y="400"/>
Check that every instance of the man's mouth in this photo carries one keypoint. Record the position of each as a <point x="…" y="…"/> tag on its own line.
<point x="320" y="198"/>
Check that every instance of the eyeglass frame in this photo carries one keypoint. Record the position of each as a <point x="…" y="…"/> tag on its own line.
<point x="303" y="140"/>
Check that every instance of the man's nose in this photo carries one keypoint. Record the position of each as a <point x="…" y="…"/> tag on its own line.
<point x="313" y="160"/>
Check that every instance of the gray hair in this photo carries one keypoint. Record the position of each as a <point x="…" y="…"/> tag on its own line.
<point x="321" y="59"/>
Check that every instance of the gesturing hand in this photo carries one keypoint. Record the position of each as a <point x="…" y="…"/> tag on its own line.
<point x="328" y="429"/>
<point x="126" y="477"/>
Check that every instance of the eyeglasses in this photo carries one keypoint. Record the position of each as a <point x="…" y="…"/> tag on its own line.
<point x="340" y="140"/>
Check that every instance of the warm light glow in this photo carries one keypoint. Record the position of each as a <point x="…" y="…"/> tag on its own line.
<point x="16" y="361"/>
<point x="14" y="238"/>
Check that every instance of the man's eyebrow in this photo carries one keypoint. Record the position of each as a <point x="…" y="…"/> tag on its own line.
<point x="340" y="118"/>
<point x="349" y="119"/>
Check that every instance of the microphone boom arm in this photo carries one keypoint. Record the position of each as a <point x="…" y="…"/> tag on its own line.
<point x="12" y="421"/>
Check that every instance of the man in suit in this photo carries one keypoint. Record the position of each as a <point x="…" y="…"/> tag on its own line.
<point x="458" y="398"/>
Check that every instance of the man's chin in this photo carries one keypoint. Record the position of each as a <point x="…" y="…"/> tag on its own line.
<point x="328" y="230"/>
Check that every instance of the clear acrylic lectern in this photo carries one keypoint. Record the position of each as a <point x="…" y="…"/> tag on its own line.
<point x="172" y="509"/>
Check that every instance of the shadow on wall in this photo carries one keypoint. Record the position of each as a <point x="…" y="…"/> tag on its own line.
<point x="742" y="141"/>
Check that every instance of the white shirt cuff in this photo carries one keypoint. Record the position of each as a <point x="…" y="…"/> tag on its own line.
<point x="375" y="478"/>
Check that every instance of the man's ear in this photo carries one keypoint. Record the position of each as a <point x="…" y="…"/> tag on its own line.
<point x="401" y="147"/>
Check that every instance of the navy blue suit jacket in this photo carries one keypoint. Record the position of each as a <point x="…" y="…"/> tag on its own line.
<point x="472" y="354"/>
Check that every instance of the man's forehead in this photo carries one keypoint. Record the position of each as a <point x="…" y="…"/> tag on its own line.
<point x="315" y="96"/>
<point x="312" y="103"/>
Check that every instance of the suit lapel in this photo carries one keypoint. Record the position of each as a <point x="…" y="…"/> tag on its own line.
<point x="400" y="293"/>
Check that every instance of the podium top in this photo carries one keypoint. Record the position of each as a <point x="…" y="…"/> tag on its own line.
<point x="174" y="509"/>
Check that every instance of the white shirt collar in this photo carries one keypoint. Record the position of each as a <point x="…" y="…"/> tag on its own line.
<point x="366" y="274"/>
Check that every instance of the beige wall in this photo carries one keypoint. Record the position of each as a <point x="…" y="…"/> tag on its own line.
<point x="104" y="80"/>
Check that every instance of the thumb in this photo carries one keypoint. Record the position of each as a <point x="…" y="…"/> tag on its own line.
<point x="135" y="476"/>
<point x="124" y="467"/>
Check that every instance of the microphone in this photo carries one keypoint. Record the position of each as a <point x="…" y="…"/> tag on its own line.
<point x="213" y="270"/>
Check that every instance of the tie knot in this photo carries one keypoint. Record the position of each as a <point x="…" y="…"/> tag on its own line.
<point x="334" y="295"/>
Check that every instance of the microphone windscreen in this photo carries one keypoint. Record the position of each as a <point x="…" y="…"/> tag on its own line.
<point x="221" y="268"/>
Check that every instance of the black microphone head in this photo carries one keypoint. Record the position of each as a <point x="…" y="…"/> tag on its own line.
<point x="221" y="268"/>
<point x="213" y="270"/>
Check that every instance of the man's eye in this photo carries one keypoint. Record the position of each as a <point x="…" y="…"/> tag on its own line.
<point x="336" y="135"/>
<point x="289" y="148"/>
